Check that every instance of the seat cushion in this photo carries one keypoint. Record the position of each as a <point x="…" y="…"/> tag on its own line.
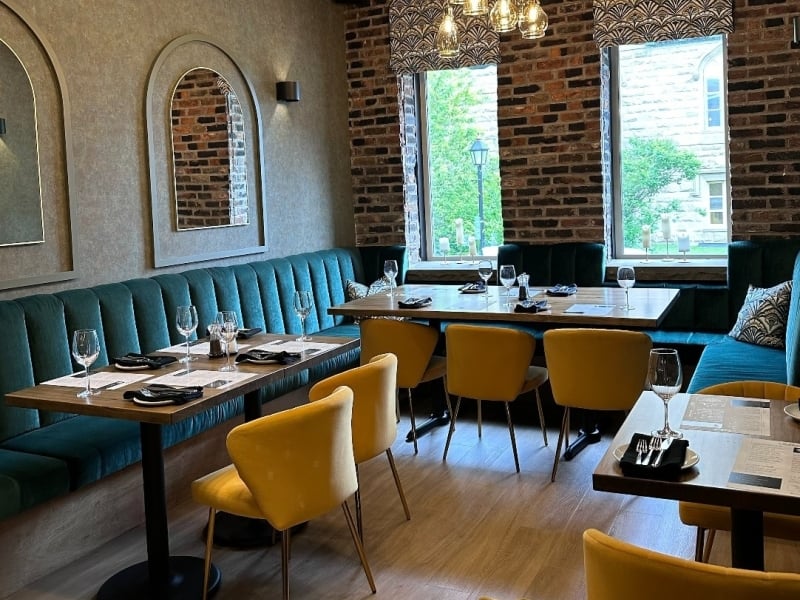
<point x="28" y="479"/>
<point x="730" y="360"/>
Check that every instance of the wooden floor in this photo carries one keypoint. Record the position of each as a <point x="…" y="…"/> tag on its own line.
<point x="477" y="528"/>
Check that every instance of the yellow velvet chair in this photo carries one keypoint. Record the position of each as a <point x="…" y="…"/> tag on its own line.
<point x="413" y="344"/>
<point x="288" y="468"/>
<point x="594" y="369"/>
<point x="707" y="518"/>
<point x="491" y="363"/>
<point x="374" y="388"/>
<point x="616" y="570"/>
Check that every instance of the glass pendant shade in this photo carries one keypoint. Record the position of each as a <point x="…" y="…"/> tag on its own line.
<point x="447" y="36"/>
<point x="476" y="8"/>
<point x="503" y="16"/>
<point x="532" y="20"/>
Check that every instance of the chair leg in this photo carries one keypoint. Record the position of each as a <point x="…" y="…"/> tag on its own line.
<point x="541" y="415"/>
<point x="359" y="521"/>
<point x="709" y="543"/>
<point x="452" y="428"/>
<point x="447" y="396"/>
<point x="480" y="420"/>
<point x="212" y="516"/>
<point x="413" y="421"/>
<point x="397" y="406"/>
<point x="699" y="542"/>
<point x="564" y="426"/>
<point x="513" y="438"/>
<point x="359" y="548"/>
<point x="397" y="483"/>
<point x="285" y="545"/>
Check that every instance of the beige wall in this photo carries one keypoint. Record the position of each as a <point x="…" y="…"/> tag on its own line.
<point x="106" y="49"/>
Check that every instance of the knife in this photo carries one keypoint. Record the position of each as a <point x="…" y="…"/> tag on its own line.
<point x="665" y="443"/>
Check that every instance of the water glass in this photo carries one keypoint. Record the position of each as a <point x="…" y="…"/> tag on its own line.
<point x="626" y="278"/>
<point x="186" y="322"/>
<point x="665" y="376"/>
<point x="85" y="350"/>
<point x="485" y="272"/>
<point x="390" y="270"/>
<point x="303" y="303"/>
<point x="507" y="275"/>
<point x="228" y="324"/>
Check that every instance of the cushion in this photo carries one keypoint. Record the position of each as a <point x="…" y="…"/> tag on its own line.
<point x="763" y="316"/>
<point x="355" y="290"/>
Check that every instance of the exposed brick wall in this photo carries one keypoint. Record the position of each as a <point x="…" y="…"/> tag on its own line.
<point x="549" y="126"/>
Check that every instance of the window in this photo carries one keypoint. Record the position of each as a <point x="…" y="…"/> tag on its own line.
<point x="458" y="107"/>
<point x="668" y="137"/>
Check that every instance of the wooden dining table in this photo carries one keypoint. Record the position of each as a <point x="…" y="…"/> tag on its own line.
<point x="164" y="576"/>
<point x="720" y="476"/>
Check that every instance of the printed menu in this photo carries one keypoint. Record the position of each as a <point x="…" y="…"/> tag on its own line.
<point x="767" y="466"/>
<point x="748" y="416"/>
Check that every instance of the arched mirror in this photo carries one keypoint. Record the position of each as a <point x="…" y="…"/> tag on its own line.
<point x="20" y="192"/>
<point x="208" y="152"/>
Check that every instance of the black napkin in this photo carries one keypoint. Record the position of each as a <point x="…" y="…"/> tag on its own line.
<point x="156" y="392"/>
<point x="671" y="462"/>
<point x="476" y="286"/>
<point x="243" y="334"/>
<point x="133" y="359"/>
<point x="562" y="290"/>
<point x="531" y="306"/>
<point x="414" y="302"/>
<point x="279" y="358"/>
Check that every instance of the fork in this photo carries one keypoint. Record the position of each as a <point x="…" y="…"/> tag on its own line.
<point x="641" y="448"/>
<point x="654" y="446"/>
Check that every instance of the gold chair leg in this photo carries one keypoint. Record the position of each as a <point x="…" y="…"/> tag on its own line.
<point x="212" y="517"/>
<point x="564" y="426"/>
<point x="709" y="543"/>
<point x="359" y="522"/>
<point x="480" y="420"/>
<point x="447" y="396"/>
<point x="397" y="483"/>
<point x="413" y="421"/>
<point x="513" y="438"/>
<point x="453" y="418"/>
<point x="541" y="415"/>
<point x="359" y="548"/>
<point x="285" y="545"/>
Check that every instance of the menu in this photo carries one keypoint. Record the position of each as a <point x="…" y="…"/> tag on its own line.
<point x="748" y="416"/>
<point x="309" y="346"/>
<point x="767" y="466"/>
<point x="203" y="378"/>
<point x="595" y="310"/>
<point x="102" y="380"/>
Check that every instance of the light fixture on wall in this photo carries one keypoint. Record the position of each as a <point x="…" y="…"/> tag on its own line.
<point x="287" y="91"/>
<point x="2" y="126"/>
<point x="505" y="15"/>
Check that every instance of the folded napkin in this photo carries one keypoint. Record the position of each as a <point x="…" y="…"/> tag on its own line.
<point x="133" y="359"/>
<point x="531" y="306"/>
<point x="243" y="334"/>
<point x="264" y="356"/>
<point x="414" y="302"/>
<point x="477" y="286"/>
<point x="562" y="290"/>
<point x="159" y="393"/>
<point x="671" y="462"/>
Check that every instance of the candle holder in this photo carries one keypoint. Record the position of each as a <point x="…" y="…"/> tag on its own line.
<point x="684" y="259"/>
<point x="667" y="258"/>
<point x="444" y="256"/>
<point x="646" y="250"/>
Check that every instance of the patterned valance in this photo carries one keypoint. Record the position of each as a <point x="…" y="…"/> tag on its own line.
<point x="621" y="22"/>
<point x="412" y="38"/>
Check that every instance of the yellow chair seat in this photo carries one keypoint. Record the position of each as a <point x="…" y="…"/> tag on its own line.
<point x="224" y="490"/>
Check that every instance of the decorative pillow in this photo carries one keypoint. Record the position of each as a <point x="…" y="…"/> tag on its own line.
<point x="762" y="318"/>
<point x="354" y="290"/>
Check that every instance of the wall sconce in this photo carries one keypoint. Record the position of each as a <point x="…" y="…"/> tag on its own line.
<point x="795" y="32"/>
<point x="2" y="126"/>
<point x="287" y="91"/>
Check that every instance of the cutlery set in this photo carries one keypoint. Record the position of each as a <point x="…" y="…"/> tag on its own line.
<point x="645" y="451"/>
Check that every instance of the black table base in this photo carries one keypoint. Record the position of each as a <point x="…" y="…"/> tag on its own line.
<point x="185" y="582"/>
<point x="584" y="439"/>
<point x="747" y="539"/>
<point x="434" y="420"/>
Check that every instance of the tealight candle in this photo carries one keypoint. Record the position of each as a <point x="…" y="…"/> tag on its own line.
<point x="646" y="237"/>
<point x="460" y="232"/>
<point x="473" y="246"/>
<point x="683" y="242"/>
<point x="666" y="227"/>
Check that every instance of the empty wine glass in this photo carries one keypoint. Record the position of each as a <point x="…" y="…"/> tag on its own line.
<point x="303" y="303"/>
<point x="390" y="270"/>
<point x="665" y="377"/>
<point x="485" y="271"/>
<point x="85" y="350"/>
<point x="228" y="325"/>
<point x="626" y="278"/>
<point x="186" y="322"/>
<point x="507" y="275"/>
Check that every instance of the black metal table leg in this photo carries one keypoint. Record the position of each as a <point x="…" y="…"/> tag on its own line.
<point x="747" y="539"/>
<point x="584" y="439"/>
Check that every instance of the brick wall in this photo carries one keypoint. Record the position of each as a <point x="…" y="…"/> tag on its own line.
<point x="549" y="126"/>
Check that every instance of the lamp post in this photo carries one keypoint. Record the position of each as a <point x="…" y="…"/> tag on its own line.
<point x="480" y="154"/>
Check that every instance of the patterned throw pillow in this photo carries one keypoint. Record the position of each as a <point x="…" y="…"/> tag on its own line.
<point x="354" y="290"/>
<point x="762" y="318"/>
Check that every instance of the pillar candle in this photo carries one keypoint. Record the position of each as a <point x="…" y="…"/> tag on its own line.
<point x="646" y="237"/>
<point x="473" y="246"/>
<point x="666" y="227"/>
<point x="444" y="245"/>
<point x="460" y="232"/>
<point x="683" y="241"/>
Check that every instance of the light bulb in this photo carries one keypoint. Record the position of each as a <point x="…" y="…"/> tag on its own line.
<point x="532" y="20"/>
<point x="503" y="16"/>
<point x="447" y="36"/>
<point x="476" y="8"/>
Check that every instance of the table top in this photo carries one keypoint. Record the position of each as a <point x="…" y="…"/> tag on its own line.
<point x="707" y="482"/>
<point x="598" y="306"/>
<point x="110" y="402"/>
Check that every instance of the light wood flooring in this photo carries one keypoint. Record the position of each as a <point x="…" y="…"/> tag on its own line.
<point x="477" y="528"/>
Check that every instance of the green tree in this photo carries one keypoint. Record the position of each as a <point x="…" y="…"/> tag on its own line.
<point x="451" y="108"/>
<point x="648" y="167"/>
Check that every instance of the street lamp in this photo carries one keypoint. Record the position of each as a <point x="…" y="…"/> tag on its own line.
<point x="480" y="155"/>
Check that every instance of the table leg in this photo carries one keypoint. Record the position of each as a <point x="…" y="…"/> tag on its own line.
<point x="747" y="539"/>
<point x="161" y="577"/>
<point x="584" y="439"/>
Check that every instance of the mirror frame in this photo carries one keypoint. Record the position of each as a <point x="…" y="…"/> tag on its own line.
<point x="161" y="255"/>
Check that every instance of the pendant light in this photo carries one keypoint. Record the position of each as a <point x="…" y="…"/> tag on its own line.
<point x="532" y="20"/>
<point x="447" y="36"/>
<point x="476" y="8"/>
<point x="503" y="16"/>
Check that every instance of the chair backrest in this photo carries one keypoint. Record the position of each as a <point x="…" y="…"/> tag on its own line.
<point x="487" y="363"/>
<point x="412" y="343"/>
<point x="616" y="570"/>
<point x="298" y="464"/>
<point x="596" y="368"/>
<point x="374" y="388"/>
<point x="755" y="389"/>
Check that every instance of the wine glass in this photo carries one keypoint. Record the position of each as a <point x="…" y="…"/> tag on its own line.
<point x="665" y="377"/>
<point x="626" y="278"/>
<point x="485" y="272"/>
<point x="228" y="325"/>
<point x="186" y="322"/>
<point x="507" y="275"/>
<point x="303" y="302"/>
<point x="390" y="270"/>
<point x="85" y="350"/>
